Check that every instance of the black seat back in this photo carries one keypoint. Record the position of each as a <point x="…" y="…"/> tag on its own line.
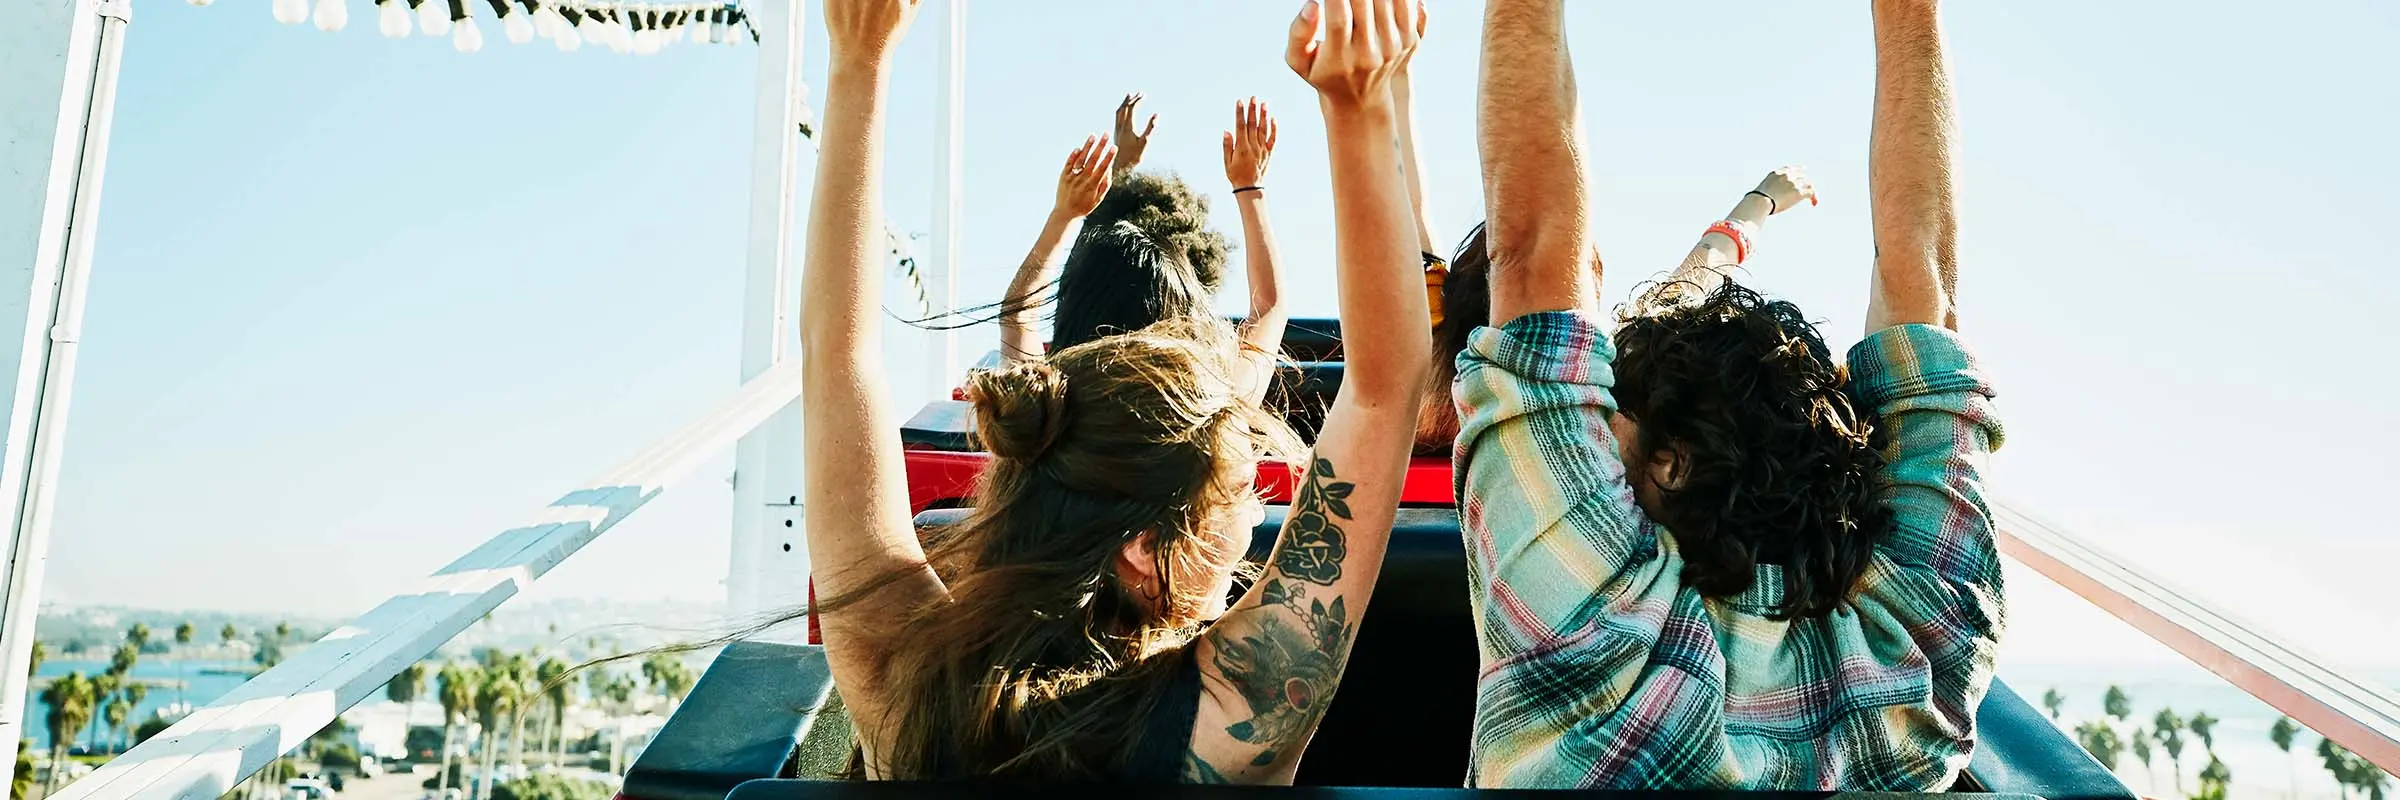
<point x="744" y="719"/>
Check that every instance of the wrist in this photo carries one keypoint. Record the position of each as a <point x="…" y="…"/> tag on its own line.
<point x="1754" y="207"/>
<point x="1368" y="112"/>
<point x="1060" y="218"/>
<point x="856" y="58"/>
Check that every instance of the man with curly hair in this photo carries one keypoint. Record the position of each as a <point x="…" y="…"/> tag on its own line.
<point x="1704" y="554"/>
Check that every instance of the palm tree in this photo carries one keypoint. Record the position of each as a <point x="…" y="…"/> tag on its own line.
<point x="41" y="653"/>
<point x="556" y="694"/>
<point x="138" y="636"/>
<point x="229" y="634"/>
<point x="2169" y="730"/>
<point x="104" y="685"/>
<point x="283" y="632"/>
<point x="2117" y="704"/>
<point x="527" y="691"/>
<point x="615" y="693"/>
<point x="2204" y="726"/>
<point x="20" y="783"/>
<point x="2283" y="734"/>
<point x="404" y="689"/>
<point x="2053" y="701"/>
<point x="669" y="677"/>
<point x="122" y="662"/>
<point x="115" y="714"/>
<point x="2101" y="741"/>
<point x="2139" y="742"/>
<point x="2214" y="779"/>
<point x="135" y="693"/>
<point x="494" y="699"/>
<point x="457" y="695"/>
<point x="70" y="702"/>
<point x="184" y="633"/>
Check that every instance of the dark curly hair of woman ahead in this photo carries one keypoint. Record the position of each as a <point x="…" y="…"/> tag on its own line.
<point x="1773" y="464"/>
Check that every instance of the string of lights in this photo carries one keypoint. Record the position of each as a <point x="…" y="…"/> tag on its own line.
<point x="622" y="27"/>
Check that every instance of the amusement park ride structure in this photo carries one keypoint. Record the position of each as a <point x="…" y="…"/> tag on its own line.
<point x="56" y="104"/>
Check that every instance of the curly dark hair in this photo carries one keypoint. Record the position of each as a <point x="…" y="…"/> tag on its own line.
<point x="1171" y="213"/>
<point x="1774" y="465"/>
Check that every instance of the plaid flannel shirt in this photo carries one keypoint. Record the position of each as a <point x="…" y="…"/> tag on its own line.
<point x="1601" y="669"/>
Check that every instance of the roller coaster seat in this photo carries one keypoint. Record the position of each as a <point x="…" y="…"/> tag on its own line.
<point x="1402" y="718"/>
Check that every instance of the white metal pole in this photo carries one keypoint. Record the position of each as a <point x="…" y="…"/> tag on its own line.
<point x="766" y="302"/>
<point x="86" y="38"/>
<point x="949" y="196"/>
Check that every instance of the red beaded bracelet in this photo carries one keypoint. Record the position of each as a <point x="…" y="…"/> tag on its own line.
<point x="1737" y="231"/>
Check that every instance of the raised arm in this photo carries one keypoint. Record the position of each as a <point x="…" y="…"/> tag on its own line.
<point x="1912" y="171"/>
<point x="1725" y="247"/>
<point x="1539" y="233"/>
<point x="1271" y="664"/>
<point x="1131" y="142"/>
<point x="858" y="522"/>
<point x="1404" y="104"/>
<point x="1248" y="147"/>
<point x="1081" y="184"/>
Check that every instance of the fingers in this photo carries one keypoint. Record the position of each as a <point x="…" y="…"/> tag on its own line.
<point x="1229" y="150"/>
<point x="1150" y="127"/>
<point x="1102" y="160"/>
<point x="1339" y="21"/>
<point x="1300" y="50"/>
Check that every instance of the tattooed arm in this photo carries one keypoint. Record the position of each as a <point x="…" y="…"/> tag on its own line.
<point x="1269" y="667"/>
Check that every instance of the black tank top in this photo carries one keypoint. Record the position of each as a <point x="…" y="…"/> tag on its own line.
<point x="1167" y="734"/>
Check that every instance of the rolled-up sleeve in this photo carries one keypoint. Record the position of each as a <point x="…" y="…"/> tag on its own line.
<point x="1936" y="580"/>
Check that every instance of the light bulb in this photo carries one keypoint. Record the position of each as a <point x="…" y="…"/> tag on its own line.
<point x="291" y="12"/>
<point x="620" y="40"/>
<point x="333" y="15"/>
<point x="645" y="43"/>
<point x="469" y="38"/>
<point x="546" y="23"/>
<point x="391" y="17"/>
<point x="433" y="16"/>
<point x="567" y="39"/>
<point x="518" y="28"/>
<point x="699" y="29"/>
<point x="589" y="30"/>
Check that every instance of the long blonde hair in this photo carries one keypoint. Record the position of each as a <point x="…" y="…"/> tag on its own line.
<point x="1039" y="659"/>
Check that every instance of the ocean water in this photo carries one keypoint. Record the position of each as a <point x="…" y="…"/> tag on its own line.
<point x="200" y="682"/>
<point x="2259" y="769"/>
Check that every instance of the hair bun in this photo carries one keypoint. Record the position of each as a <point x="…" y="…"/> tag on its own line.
<point x="1020" y="410"/>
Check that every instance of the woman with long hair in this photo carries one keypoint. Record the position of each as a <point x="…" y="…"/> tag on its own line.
<point x="1075" y="626"/>
<point x="1138" y="262"/>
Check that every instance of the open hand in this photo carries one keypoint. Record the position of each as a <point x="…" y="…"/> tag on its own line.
<point x="1130" y="143"/>
<point x="1350" y="49"/>
<point x="1085" y="178"/>
<point x="1787" y="188"/>
<point x="1249" y="144"/>
<point x="867" y="28"/>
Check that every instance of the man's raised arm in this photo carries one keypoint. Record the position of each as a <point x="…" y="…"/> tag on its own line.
<point x="1912" y="170"/>
<point x="1539" y="234"/>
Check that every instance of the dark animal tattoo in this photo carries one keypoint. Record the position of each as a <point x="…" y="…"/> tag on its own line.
<point x="1286" y="662"/>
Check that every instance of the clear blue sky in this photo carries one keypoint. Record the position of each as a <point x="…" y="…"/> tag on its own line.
<point x="359" y="303"/>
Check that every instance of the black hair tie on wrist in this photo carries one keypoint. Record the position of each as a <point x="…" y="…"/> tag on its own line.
<point x="1250" y="189"/>
<point x="1772" y="206"/>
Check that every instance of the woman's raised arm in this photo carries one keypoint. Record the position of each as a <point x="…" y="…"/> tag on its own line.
<point x="1081" y="184"/>
<point x="859" y="527"/>
<point x="1247" y="149"/>
<point x="1270" y="666"/>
